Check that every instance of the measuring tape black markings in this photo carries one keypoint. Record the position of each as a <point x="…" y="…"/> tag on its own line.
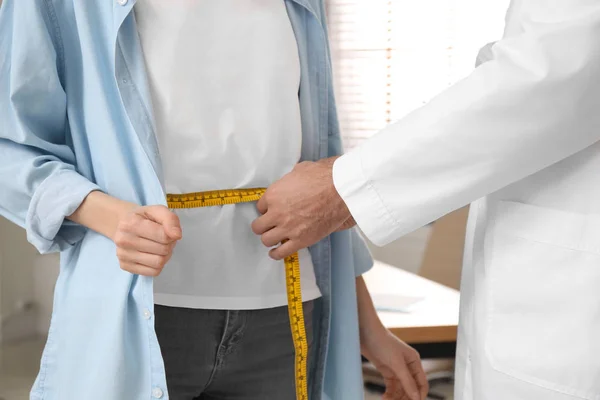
<point x="292" y="272"/>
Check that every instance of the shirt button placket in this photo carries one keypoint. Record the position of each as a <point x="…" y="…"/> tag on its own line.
<point x="157" y="393"/>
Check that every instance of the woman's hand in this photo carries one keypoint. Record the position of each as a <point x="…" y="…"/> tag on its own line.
<point x="398" y="363"/>
<point x="145" y="238"/>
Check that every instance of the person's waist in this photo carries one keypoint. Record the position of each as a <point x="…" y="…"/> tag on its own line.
<point x="225" y="233"/>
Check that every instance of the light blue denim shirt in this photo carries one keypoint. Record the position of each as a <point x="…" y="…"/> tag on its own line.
<point x="75" y="116"/>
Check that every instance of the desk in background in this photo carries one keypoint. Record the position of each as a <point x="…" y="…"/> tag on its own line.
<point x="431" y="325"/>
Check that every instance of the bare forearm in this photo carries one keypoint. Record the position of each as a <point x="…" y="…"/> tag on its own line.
<point x="369" y="323"/>
<point x="398" y="363"/>
<point x="101" y="213"/>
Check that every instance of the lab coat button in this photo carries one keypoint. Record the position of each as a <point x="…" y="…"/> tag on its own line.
<point x="157" y="393"/>
<point x="147" y="314"/>
<point x="122" y="2"/>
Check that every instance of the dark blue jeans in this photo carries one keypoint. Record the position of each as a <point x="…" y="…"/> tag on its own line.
<point x="223" y="355"/>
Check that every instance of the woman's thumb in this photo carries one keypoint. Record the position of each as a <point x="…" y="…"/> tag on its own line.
<point x="173" y="229"/>
<point x="167" y="218"/>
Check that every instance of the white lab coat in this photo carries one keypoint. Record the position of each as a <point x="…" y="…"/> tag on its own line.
<point x="519" y="139"/>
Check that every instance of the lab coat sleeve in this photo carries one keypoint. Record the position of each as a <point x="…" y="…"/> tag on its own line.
<point x="535" y="103"/>
<point x="39" y="184"/>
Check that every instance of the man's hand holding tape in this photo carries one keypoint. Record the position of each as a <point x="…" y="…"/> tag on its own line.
<point x="301" y="209"/>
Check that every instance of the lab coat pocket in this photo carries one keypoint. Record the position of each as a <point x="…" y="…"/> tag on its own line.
<point x="544" y="297"/>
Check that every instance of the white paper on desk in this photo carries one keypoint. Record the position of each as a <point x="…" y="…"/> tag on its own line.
<point x="395" y="302"/>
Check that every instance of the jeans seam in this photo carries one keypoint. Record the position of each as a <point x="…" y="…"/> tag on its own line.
<point x="220" y="352"/>
<point x="240" y="319"/>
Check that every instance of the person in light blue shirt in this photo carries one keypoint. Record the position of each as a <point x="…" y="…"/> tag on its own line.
<point x="81" y="171"/>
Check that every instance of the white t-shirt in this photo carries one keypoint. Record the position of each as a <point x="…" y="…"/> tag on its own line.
<point x="224" y="77"/>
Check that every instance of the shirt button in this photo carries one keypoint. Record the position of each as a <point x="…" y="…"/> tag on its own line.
<point x="157" y="393"/>
<point x="147" y="314"/>
<point x="122" y="2"/>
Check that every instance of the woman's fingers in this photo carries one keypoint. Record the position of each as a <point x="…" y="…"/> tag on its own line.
<point x="146" y="260"/>
<point x="402" y="374"/>
<point x="394" y="391"/>
<point x="416" y="369"/>
<point x="167" y="219"/>
<point x="155" y="223"/>
<point x="140" y="269"/>
<point x="129" y="241"/>
<point x="151" y="230"/>
<point x="145" y="239"/>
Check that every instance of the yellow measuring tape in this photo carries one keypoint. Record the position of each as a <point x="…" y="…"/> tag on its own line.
<point x="292" y="271"/>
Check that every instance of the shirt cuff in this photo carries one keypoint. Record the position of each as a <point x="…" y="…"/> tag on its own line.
<point x="57" y="197"/>
<point x="361" y="198"/>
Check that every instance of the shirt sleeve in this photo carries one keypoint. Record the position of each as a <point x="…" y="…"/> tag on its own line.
<point x="535" y="103"/>
<point x="39" y="182"/>
<point x="361" y="256"/>
<point x="363" y="260"/>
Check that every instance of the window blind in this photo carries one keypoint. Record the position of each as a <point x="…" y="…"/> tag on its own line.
<point x="392" y="56"/>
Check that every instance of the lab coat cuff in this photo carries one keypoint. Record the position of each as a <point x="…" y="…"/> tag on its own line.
<point x="57" y="197"/>
<point x="361" y="198"/>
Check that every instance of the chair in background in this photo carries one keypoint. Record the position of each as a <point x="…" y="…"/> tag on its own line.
<point x="442" y="260"/>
